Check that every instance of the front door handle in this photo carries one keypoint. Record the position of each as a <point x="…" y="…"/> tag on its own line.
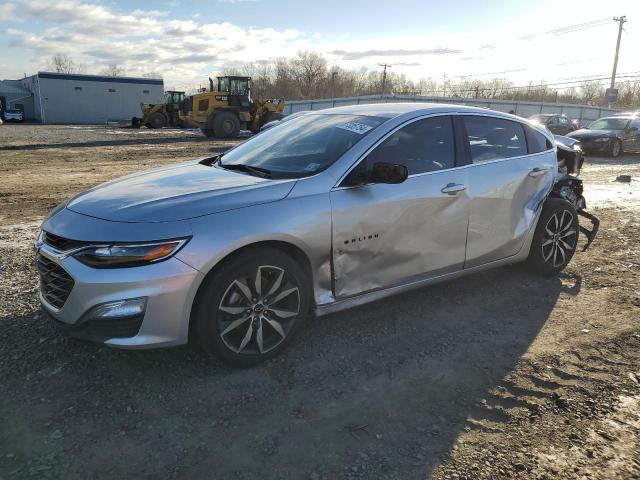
<point x="536" y="172"/>
<point x="453" y="188"/>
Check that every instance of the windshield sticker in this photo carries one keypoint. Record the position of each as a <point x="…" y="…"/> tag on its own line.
<point x="356" y="127"/>
<point x="312" y="167"/>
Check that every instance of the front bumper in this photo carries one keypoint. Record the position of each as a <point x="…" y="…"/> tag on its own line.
<point x="589" y="146"/>
<point x="169" y="289"/>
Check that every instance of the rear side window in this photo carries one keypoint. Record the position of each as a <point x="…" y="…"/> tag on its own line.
<point x="536" y="141"/>
<point x="425" y="145"/>
<point x="494" y="138"/>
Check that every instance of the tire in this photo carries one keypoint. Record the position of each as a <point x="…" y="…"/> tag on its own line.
<point x="232" y="311"/>
<point x="555" y="239"/>
<point x="156" y="120"/>
<point x="616" y="149"/>
<point x="226" y="125"/>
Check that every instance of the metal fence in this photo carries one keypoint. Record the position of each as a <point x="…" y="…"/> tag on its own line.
<point x="584" y="113"/>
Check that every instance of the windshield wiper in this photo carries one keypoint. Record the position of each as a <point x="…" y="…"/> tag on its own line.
<point x="259" y="171"/>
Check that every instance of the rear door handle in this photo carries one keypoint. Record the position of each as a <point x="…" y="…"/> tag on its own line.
<point x="536" y="172"/>
<point x="453" y="188"/>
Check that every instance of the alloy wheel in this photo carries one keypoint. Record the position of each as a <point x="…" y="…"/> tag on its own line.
<point x="559" y="239"/>
<point x="256" y="314"/>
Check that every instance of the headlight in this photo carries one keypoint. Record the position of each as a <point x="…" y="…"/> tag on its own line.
<point x="132" y="255"/>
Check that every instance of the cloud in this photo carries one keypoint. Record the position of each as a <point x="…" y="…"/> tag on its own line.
<point x="397" y="52"/>
<point x="141" y="41"/>
<point x="7" y="12"/>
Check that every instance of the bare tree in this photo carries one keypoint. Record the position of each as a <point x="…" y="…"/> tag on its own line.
<point x="309" y="68"/>
<point x="113" y="70"/>
<point x="62" y="63"/>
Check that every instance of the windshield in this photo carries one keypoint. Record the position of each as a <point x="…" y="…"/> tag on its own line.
<point x="609" y="124"/>
<point x="539" y="118"/>
<point x="302" y="146"/>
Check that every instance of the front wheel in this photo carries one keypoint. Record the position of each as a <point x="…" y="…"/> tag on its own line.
<point x="616" y="148"/>
<point x="251" y="307"/>
<point x="555" y="239"/>
<point x="226" y="125"/>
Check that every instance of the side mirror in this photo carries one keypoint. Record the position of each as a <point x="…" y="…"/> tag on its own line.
<point x="632" y="129"/>
<point x="388" y="173"/>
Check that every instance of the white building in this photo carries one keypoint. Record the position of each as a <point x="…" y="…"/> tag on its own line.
<point x="79" y="98"/>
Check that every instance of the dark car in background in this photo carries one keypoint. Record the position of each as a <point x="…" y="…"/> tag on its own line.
<point x="610" y="135"/>
<point x="555" y="123"/>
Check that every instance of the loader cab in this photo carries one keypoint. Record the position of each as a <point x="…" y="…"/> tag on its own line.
<point x="173" y="97"/>
<point x="239" y="89"/>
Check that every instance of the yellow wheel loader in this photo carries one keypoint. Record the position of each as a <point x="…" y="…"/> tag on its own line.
<point x="224" y="111"/>
<point x="158" y="115"/>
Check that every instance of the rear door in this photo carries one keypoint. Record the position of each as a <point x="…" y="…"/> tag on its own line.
<point x="632" y="137"/>
<point x="507" y="185"/>
<point x="385" y="235"/>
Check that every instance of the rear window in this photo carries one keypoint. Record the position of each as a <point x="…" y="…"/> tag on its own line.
<point x="536" y="141"/>
<point x="494" y="138"/>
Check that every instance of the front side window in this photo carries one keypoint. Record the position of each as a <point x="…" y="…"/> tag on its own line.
<point x="494" y="138"/>
<point x="425" y="145"/>
<point x="302" y="146"/>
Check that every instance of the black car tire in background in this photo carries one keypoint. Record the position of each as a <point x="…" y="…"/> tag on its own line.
<point x="616" y="148"/>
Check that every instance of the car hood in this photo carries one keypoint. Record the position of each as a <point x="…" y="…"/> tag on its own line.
<point x="177" y="192"/>
<point x="584" y="133"/>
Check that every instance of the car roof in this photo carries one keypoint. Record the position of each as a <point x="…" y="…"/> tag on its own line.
<point x="391" y="110"/>
<point x="618" y="117"/>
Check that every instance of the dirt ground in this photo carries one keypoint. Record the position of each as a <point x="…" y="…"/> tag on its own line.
<point x="498" y="375"/>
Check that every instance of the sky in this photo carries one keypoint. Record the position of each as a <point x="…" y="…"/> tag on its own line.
<point x="186" y="41"/>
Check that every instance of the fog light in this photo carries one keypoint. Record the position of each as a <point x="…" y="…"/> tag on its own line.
<point x="131" y="308"/>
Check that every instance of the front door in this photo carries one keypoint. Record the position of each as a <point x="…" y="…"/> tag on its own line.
<point x="384" y="235"/>
<point x="508" y="183"/>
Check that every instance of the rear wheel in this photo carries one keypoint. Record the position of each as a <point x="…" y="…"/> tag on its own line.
<point x="616" y="148"/>
<point x="555" y="239"/>
<point x="226" y="125"/>
<point x="250" y="308"/>
<point x="156" y="120"/>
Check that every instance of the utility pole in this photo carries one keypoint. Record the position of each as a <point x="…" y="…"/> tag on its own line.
<point x="333" y="84"/>
<point x="621" y="21"/>
<point x="384" y="74"/>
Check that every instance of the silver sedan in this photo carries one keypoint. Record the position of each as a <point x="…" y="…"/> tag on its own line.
<point x="320" y="213"/>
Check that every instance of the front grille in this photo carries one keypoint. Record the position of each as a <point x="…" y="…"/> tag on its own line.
<point x="55" y="282"/>
<point x="62" y="244"/>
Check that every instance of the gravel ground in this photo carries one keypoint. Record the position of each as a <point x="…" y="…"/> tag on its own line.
<point x="498" y="375"/>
